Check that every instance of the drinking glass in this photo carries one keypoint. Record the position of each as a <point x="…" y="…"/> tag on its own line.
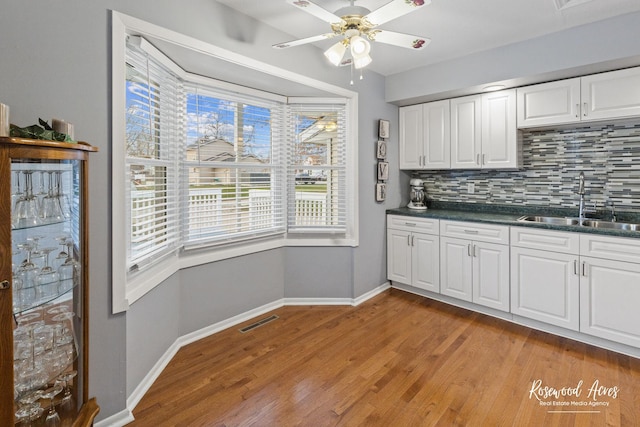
<point x="48" y="278"/>
<point x="27" y="272"/>
<point x="27" y="211"/>
<point x="52" y="419"/>
<point x="63" y="200"/>
<point x="66" y="379"/>
<point x="69" y="271"/>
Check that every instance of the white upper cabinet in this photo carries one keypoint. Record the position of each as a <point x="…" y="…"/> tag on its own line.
<point x="424" y="136"/>
<point x="611" y="95"/>
<point x="604" y="96"/>
<point x="411" y="142"/>
<point x="466" y="132"/>
<point x="437" y="137"/>
<point x="484" y="134"/>
<point x="500" y="146"/>
<point x="549" y="103"/>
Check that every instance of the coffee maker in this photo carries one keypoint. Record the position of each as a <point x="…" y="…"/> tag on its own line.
<point x="417" y="195"/>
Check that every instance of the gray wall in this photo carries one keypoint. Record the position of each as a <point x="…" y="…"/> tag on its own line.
<point x="56" y="63"/>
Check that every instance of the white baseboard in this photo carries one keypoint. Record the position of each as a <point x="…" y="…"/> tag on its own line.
<point x="372" y="293"/>
<point x="116" y="420"/>
<point x="124" y="417"/>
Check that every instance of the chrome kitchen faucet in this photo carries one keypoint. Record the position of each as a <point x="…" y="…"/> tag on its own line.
<point x="581" y="209"/>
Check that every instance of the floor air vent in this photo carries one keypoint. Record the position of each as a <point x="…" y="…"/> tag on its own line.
<point x="258" y="323"/>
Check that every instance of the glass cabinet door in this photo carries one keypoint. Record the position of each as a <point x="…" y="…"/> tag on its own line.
<point x="46" y="239"/>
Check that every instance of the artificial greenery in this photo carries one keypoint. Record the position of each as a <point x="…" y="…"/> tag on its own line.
<point x="44" y="131"/>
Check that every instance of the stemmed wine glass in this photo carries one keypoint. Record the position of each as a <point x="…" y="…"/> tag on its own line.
<point x="52" y="419"/>
<point x="69" y="271"/>
<point x="18" y="194"/>
<point x="48" y="278"/>
<point x="51" y="210"/>
<point x="65" y="379"/>
<point x="27" y="271"/>
<point x="29" y="409"/>
<point x="63" y="200"/>
<point x="27" y="211"/>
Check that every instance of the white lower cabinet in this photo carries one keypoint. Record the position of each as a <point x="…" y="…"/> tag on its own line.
<point x="413" y="257"/>
<point x="609" y="297"/>
<point x="581" y="282"/>
<point x="545" y="286"/>
<point x="610" y="288"/>
<point x="475" y="270"/>
<point x="545" y="281"/>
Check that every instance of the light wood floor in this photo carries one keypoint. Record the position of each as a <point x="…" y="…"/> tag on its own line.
<point x="396" y="360"/>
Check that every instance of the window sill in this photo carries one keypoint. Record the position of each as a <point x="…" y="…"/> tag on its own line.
<point x="147" y="280"/>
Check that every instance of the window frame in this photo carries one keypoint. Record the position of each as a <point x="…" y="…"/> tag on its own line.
<point x="127" y="290"/>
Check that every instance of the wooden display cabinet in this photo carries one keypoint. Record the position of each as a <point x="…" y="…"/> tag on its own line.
<point x="44" y="287"/>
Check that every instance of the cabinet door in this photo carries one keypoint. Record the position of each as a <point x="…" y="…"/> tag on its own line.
<point x="499" y="133"/>
<point x="399" y="256"/>
<point x="611" y="95"/>
<point x="411" y="134"/>
<point x="549" y="103"/>
<point x="455" y="268"/>
<point x="545" y="286"/>
<point x="466" y="132"/>
<point x="491" y="275"/>
<point x="609" y="295"/>
<point x="425" y="262"/>
<point x="437" y="136"/>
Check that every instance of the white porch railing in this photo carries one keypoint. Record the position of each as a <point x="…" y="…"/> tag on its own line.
<point x="205" y="212"/>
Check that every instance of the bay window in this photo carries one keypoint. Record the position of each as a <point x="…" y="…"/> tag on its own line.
<point x="205" y="170"/>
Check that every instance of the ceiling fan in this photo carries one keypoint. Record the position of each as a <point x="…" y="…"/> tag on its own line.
<point x="358" y="26"/>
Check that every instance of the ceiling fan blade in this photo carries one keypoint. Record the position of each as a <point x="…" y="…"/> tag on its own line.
<point x="399" y="39"/>
<point x="393" y="10"/>
<point x="304" y="41"/>
<point x="316" y="11"/>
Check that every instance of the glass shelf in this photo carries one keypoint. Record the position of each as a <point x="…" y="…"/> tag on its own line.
<point x="45" y="300"/>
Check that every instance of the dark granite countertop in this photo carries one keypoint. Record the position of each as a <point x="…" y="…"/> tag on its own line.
<point x="508" y="215"/>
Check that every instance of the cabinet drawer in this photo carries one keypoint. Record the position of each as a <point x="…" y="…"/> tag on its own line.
<point x="615" y="248"/>
<point x="475" y="231"/>
<point x="412" y="223"/>
<point x="555" y="241"/>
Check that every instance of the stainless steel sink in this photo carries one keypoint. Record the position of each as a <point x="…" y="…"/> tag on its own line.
<point x="611" y="225"/>
<point x="593" y="223"/>
<point x="556" y="220"/>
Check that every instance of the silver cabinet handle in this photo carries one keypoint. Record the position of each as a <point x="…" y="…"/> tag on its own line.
<point x="469" y="249"/>
<point x="484" y="161"/>
<point x="409" y="240"/>
<point x="410" y="224"/>
<point x="575" y="266"/>
<point x="478" y="159"/>
<point x="471" y="231"/>
<point x="413" y="240"/>
<point x="473" y="252"/>
<point x="584" y="112"/>
<point x="584" y="269"/>
<point x="577" y="110"/>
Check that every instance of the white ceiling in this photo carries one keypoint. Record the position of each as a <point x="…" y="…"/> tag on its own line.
<point x="456" y="27"/>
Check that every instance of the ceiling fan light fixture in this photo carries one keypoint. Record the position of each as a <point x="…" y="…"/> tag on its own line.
<point x="359" y="46"/>
<point x="335" y="53"/>
<point x="361" y="61"/>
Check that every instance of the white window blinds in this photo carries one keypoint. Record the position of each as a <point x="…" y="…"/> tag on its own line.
<point x="316" y="168"/>
<point x="233" y="168"/>
<point x="153" y="129"/>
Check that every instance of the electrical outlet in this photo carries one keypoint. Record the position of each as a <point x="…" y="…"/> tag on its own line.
<point x="471" y="188"/>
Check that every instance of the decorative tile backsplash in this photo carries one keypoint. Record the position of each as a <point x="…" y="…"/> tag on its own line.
<point x="609" y="156"/>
